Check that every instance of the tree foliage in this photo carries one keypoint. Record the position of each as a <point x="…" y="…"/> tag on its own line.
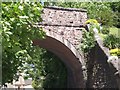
<point x="18" y="31"/>
<point x="88" y="40"/>
<point x="116" y="9"/>
<point x="46" y="70"/>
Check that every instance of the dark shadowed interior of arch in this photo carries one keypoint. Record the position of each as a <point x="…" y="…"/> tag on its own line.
<point x="54" y="71"/>
<point x="74" y="70"/>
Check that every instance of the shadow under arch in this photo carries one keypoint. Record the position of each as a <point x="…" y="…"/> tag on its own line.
<point x="62" y="50"/>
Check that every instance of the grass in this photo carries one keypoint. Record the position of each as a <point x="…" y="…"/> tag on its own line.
<point x="102" y="35"/>
<point x="115" y="31"/>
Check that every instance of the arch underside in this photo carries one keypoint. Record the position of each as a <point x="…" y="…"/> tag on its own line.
<point x="74" y="67"/>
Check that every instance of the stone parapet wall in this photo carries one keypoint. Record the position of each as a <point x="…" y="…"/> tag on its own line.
<point x="65" y="17"/>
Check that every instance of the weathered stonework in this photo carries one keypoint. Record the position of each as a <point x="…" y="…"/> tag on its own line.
<point x="72" y="34"/>
<point x="66" y="17"/>
<point x="66" y="22"/>
<point x="63" y="28"/>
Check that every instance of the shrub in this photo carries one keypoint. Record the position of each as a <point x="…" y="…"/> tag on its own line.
<point x="88" y="41"/>
<point x="115" y="52"/>
<point x="93" y="24"/>
<point x="105" y="30"/>
<point x="111" y="41"/>
<point x="93" y="21"/>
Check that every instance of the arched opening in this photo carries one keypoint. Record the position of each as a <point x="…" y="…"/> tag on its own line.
<point x="75" y="77"/>
<point x="54" y="71"/>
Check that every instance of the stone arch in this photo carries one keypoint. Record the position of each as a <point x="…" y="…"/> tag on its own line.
<point x="72" y="59"/>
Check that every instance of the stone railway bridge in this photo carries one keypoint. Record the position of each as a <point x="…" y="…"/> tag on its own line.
<point x="63" y="28"/>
